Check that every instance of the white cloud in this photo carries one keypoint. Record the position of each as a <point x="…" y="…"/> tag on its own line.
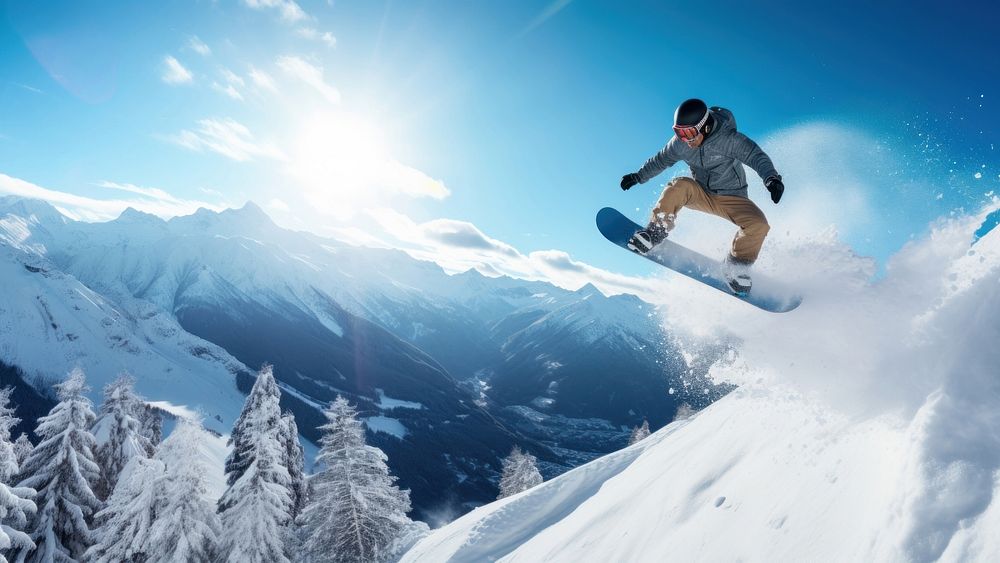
<point x="278" y="205"/>
<point x="152" y="200"/>
<point x="199" y="46"/>
<point x="311" y="74"/>
<point x="31" y="89"/>
<point x="228" y="90"/>
<point x="313" y="34"/>
<point x="228" y="138"/>
<point x="262" y="80"/>
<point x="174" y="72"/>
<point x="232" y="85"/>
<point x="459" y="245"/>
<point x="290" y="11"/>
<point x="154" y="193"/>
<point x="464" y="235"/>
<point x="232" y="78"/>
<point x="211" y="192"/>
<point x="410" y="181"/>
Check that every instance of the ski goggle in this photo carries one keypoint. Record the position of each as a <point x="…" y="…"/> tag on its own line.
<point x="691" y="132"/>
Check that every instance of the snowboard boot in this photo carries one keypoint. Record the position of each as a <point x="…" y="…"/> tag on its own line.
<point x="645" y="239"/>
<point x="738" y="275"/>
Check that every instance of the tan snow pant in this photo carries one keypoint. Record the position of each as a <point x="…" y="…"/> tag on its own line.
<point x="685" y="192"/>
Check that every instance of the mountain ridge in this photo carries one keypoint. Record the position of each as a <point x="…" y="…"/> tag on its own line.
<point x="224" y="276"/>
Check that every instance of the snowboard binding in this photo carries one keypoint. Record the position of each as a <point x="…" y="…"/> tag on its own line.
<point x="738" y="275"/>
<point x="740" y="284"/>
<point x="645" y="239"/>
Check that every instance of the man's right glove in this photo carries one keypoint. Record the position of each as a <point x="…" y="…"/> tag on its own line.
<point x="629" y="180"/>
<point x="774" y="185"/>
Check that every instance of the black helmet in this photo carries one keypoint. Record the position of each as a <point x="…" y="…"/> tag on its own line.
<point x="691" y="119"/>
<point x="690" y="112"/>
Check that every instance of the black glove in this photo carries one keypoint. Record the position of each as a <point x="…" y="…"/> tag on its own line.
<point x="774" y="185"/>
<point x="629" y="180"/>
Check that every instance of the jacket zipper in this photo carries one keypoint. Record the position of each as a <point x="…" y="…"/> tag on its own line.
<point x="708" y="180"/>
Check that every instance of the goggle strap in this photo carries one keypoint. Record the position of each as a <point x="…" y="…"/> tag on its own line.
<point x="687" y="132"/>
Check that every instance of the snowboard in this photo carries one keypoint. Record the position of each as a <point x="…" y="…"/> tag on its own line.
<point x="767" y="294"/>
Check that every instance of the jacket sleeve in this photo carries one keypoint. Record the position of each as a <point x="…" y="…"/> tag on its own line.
<point x="742" y="148"/>
<point x="658" y="163"/>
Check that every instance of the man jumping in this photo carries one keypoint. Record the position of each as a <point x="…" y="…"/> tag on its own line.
<point x="707" y="140"/>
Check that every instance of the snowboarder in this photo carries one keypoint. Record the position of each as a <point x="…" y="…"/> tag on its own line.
<point x="707" y="140"/>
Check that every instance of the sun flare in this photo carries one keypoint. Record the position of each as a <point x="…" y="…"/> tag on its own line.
<point x="342" y="163"/>
<point x="338" y="152"/>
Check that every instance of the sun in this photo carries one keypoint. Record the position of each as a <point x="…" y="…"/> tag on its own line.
<point x="338" y="161"/>
<point x="342" y="163"/>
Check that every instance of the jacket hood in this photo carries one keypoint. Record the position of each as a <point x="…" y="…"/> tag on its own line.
<point x="724" y="120"/>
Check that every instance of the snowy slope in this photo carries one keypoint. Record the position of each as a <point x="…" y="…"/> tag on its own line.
<point x="50" y="323"/>
<point x="867" y="428"/>
<point x="722" y="486"/>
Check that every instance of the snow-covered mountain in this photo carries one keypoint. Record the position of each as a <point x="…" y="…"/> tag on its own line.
<point x="448" y="371"/>
<point x="49" y="322"/>
<point x="866" y="428"/>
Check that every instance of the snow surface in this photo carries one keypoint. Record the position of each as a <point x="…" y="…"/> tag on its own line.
<point x="386" y="402"/>
<point x="387" y="425"/>
<point x="866" y="428"/>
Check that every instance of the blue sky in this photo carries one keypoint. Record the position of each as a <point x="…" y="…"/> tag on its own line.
<point x="488" y="134"/>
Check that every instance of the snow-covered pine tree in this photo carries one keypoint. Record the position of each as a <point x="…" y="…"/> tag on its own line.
<point x="123" y="526"/>
<point x="151" y="422"/>
<point x="22" y="448"/>
<point x="63" y="471"/>
<point x="118" y="433"/>
<point x="684" y="412"/>
<point x="639" y="432"/>
<point x="294" y="461"/>
<point x="355" y="511"/>
<point x="257" y="506"/>
<point x="520" y="473"/>
<point x="264" y="397"/>
<point x="186" y="527"/>
<point x="8" y="457"/>
<point x="16" y="504"/>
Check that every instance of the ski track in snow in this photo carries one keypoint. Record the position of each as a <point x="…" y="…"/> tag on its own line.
<point x="866" y="427"/>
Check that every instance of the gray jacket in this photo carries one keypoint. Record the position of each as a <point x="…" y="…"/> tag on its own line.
<point x="718" y="163"/>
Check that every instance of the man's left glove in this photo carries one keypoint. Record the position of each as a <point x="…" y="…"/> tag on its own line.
<point x="774" y="185"/>
<point x="629" y="180"/>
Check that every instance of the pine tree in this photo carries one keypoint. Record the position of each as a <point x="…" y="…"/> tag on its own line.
<point x="186" y="527"/>
<point x="520" y="473"/>
<point x="123" y="526"/>
<point x="63" y="471"/>
<point x="118" y="433"/>
<point x="355" y="511"/>
<point x="294" y="461"/>
<point x="261" y="408"/>
<point x="257" y="506"/>
<point x="684" y="412"/>
<point x="151" y="426"/>
<point x="22" y="448"/>
<point x="9" y="462"/>
<point x="639" y="432"/>
<point x="16" y="506"/>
